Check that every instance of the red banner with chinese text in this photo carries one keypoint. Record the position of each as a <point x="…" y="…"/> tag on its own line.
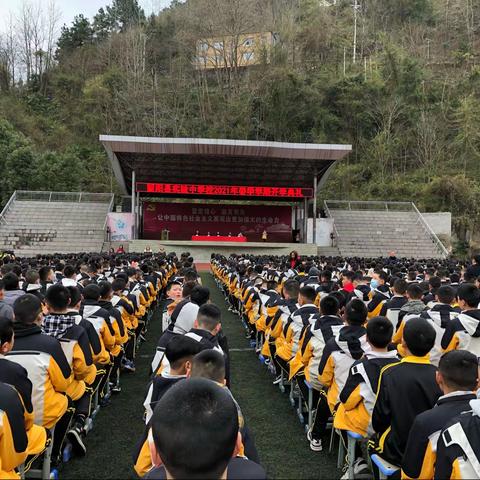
<point x="186" y="219"/>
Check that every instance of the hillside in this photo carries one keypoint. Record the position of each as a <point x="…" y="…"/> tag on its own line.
<point x="410" y="104"/>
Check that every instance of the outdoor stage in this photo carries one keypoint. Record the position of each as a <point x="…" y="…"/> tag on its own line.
<point x="201" y="251"/>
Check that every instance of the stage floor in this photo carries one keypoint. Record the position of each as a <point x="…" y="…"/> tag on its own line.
<point x="201" y="251"/>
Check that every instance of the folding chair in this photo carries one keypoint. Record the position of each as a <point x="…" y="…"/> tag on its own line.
<point x="44" y="473"/>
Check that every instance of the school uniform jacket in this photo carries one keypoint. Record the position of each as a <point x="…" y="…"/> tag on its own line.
<point x="13" y="437"/>
<point x="458" y="449"/>
<point x="391" y="309"/>
<point x="48" y="370"/>
<point x="121" y="334"/>
<point x="309" y="354"/>
<point x="100" y="319"/>
<point x="183" y="317"/>
<point x="126" y="310"/>
<point x="463" y="333"/>
<point x="405" y="390"/>
<point x="420" y="454"/>
<point x="379" y="296"/>
<point x="439" y="316"/>
<point x="287" y="344"/>
<point x="359" y="393"/>
<point x="340" y="352"/>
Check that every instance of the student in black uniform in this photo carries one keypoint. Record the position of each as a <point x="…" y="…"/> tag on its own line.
<point x="196" y="433"/>
<point x="405" y="390"/>
<point x="457" y="376"/>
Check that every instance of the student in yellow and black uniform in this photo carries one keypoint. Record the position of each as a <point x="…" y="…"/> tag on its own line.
<point x="380" y="293"/>
<point x="396" y="302"/>
<point x="457" y="376"/>
<point x="179" y="351"/>
<point x="440" y="316"/>
<point x="13" y="437"/>
<point x="308" y="357"/>
<point x="458" y="448"/>
<point x="48" y="369"/>
<point x="340" y="352"/>
<point x="198" y="408"/>
<point x="60" y="324"/>
<point x="14" y="374"/>
<point x="405" y="390"/>
<point x="121" y="333"/>
<point x="359" y="393"/>
<point x="464" y="331"/>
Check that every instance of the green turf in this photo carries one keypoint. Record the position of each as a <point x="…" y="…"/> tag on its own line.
<point x="279" y="437"/>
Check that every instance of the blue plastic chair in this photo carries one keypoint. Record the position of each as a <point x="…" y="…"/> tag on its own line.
<point x="385" y="468"/>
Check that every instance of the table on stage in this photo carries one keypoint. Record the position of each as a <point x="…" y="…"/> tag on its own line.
<point x="217" y="238"/>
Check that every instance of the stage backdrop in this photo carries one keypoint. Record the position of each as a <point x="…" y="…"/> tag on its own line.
<point x="120" y="225"/>
<point x="184" y="220"/>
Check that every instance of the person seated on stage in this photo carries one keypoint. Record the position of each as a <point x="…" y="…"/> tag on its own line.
<point x="47" y="367"/>
<point x="339" y="354"/>
<point x="440" y="316"/>
<point x="463" y="332"/>
<point x="192" y="413"/>
<point x="357" y="397"/>
<point x="14" y="374"/>
<point x="287" y="344"/>
<point x="457" y="377"/>
<point x="210" y="364"/>
<point x="405" y="390"/>
<point x="391" y="308"/>
<point x="61" y="324"/>
<point x="380" y="293"/>
<point x="13" y="437"/>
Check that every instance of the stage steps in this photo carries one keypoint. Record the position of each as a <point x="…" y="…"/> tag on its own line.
<point x="375" y="229"/>
<point x="35" y="223"/>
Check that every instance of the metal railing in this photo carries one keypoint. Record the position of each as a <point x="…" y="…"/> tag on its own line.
<point x="6" y="208"/>
<point x="74" y="197"/>
<point x="388" y="207"/>
<point x="440" y="246"/>
<point x="335" y="231"/>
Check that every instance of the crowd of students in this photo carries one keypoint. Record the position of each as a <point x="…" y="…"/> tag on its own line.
<point x="69" y="327"/>
<point x="383" y="351"/>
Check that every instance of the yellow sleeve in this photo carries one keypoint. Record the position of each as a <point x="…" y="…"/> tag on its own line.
<point x="428" y="465"/>
<point x="81" y="370"/>
<point x="398" y="335"/>
<point x="107" y="337"/>
<point x="453" y="345"/>
<point x="59" y="382"/>
<point x="354" y="399"/>
<point x="307" y="354"/>
<point x="9" y="457"/>
<point x="328" y="374"/>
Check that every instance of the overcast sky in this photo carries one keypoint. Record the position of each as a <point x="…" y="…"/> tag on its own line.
<point x="70" y="8"/>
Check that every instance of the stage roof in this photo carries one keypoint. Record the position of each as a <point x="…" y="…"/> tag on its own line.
<point x="219" y="162"/>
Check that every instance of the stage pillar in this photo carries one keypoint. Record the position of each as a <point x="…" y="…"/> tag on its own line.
<point x="134" y="226"/>
<point x="315" y="185"/>
<point x="305" y="220"/>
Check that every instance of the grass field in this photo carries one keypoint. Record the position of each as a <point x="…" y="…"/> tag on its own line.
<point x="279" y="437"/>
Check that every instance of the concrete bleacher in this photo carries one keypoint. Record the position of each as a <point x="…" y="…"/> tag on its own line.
<point x="374" y="229"/>
<point x="50" y="222"/>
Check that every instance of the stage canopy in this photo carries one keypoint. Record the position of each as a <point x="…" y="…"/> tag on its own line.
<point x="199" y="161"/>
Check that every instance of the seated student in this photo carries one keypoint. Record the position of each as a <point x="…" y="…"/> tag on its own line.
<point x="391" y="308"/>
<point x="361" y="288"/>
<point x="457" y="377"/>
<point x="179" y="352"/>
<point x="12" y="288"/>
<point x="210" y="364"/>
<point x="463" y="332"/>
<point x="458" y="448"/>
<point x="6" y="310"/>
<point x="358" y="395"/>
<point x="32" y="284"/>
<point x="185" y="313"/>
<point x="121" y="333"/>
<point x="340" y="352"/>
<point x="61" y="324"/>
<point x="70" y="277"/>
<point x="440" y="316"/>
<point x="434" y="283"/>
<point x="48" y="369"/>
<point x="405" y="390"/>
<point x="299" y="321"/>
<point x="380" y="293"/>
<point x="307" y="359"/>
<point x="412" y="308"/>
<point x="14" y="374"/>
<point x="100" y="319"/>
<point x="197" y="414"/>
<point x="13" y="438"/>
